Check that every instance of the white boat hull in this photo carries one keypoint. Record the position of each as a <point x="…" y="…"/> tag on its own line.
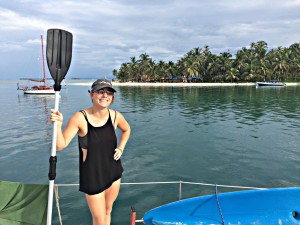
<point x="270" y="84"/>
<point x="39" y="92"/>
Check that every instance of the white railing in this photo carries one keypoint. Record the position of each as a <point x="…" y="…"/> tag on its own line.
<point x="133" y="212"/>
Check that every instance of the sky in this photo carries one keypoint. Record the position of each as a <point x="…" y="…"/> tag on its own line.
<point x="107" y="33"/>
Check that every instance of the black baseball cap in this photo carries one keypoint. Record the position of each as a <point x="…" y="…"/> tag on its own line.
<point x="100" y="84"/>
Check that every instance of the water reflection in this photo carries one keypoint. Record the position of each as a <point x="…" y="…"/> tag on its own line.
<point x="36" y="111"/>
<point x="248" y="102"/>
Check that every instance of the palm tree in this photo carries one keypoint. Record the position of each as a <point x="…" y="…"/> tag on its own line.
<point x="250" y="64"/>
<point x="143" y="64"/>
<point x="115" y="72"/>
<point x="122" y="75"/>
<point x="151" y="69"/>
<point x="294" y="61"/>
<point x="232" y="75"/>
<point x="191" y="67"/>
<point x="133" y="69"/>
<point x="280" y="64"/>
<point x="170" y="70"/>
<point x="224" y="64"/>
<point x="213" y="68"/>
<point x="161" y="67"/>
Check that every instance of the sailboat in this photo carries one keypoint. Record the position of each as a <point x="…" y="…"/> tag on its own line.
<point x="38" y="89"/>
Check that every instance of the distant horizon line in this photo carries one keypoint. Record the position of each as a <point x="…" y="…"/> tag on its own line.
<point x="50" y="78"/>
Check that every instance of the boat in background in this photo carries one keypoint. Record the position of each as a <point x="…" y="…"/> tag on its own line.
<point x="268" y="206"/>
<point x="270" y="83"/>
<point x="38" y="89"/>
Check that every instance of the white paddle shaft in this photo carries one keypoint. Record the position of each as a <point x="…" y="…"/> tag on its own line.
<point x="53" y="153"/>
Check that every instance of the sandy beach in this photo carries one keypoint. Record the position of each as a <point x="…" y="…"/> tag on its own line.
<point x="89" y="82"/>
<point x="189" y="84"/>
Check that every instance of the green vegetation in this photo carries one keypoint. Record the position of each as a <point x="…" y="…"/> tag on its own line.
<point x="200" y="65"/>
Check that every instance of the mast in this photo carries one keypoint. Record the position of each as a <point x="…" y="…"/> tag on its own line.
<point x="43" y="61"/>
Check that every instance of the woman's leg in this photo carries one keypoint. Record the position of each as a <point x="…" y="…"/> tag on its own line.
<point x="97" y="207"/>
<point x="101" y="204"/>
<point x="111" y="195"/>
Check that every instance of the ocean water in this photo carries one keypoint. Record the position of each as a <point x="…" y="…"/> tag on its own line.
<point x="241" y="136"/>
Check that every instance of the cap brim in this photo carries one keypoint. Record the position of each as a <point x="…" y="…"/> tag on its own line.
<point x="110" y="88"/>
<point x="113" y="90"/>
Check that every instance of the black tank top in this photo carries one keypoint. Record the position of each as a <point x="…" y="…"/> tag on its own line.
<point x="99" y="170"/>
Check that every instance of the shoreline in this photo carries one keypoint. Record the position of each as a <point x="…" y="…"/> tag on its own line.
<point x="89" y="82"/>
<point x="181" y="84"/>
<point x="142" y="84"/>
<point x="190" y="84"/>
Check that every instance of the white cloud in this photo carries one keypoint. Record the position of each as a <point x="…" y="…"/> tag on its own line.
<point x="107" y="33"/>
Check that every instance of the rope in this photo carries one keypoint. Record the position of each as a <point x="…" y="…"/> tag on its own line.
<point x="218" y="203"/>
<point x="57" y="202"/>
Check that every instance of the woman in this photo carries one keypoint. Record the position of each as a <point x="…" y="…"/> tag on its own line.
<point x="99" y="164"/>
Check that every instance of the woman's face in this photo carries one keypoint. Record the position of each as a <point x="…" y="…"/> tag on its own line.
<point x="104" y="97"/>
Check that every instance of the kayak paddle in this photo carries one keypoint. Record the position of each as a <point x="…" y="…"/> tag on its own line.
<point x="59" y="55"/>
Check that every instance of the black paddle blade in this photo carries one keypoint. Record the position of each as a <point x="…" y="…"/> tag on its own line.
<point x="59" y="54"/>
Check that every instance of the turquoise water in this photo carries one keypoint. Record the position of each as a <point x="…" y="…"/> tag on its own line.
<point x="244" y="136"/>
